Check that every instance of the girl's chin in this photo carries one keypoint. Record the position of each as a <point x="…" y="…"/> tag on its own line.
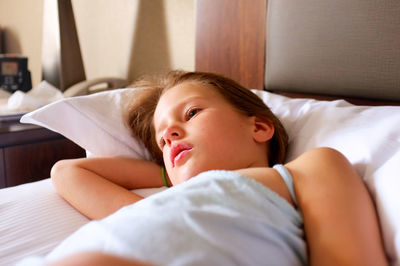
<point x="183" y="177"/>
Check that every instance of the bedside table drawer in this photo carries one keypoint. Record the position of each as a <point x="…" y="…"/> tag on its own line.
<point x="32" y="162"/>
<point x="27" y="152"/>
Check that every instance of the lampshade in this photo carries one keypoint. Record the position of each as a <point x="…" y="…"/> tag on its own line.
<point x="62" y="64"/>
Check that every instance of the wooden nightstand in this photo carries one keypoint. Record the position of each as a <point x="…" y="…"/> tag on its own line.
<point x="27" y="152"/>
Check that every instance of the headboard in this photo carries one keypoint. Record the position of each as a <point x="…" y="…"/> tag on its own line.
<point x="230" y="39"/>
<point x="324" y="50"/>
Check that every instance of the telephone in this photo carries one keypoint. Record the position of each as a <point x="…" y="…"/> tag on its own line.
<point x="95" y="85"/>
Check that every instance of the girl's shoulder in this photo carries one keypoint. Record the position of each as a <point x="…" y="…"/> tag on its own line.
<point x="320" y="168"/>
<point x="319" y="158"/>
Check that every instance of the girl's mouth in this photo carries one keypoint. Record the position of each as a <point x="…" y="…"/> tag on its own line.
<point x="179" y="151"/>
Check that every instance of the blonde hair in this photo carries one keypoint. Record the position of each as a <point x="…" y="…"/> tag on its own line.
<point x="141" y="112"/>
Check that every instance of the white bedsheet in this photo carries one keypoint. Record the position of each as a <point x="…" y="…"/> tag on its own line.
<point x="34" y="219"/>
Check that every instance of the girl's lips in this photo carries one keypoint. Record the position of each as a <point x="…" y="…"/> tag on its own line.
<point x="180" y="156"/>
<point x="178" y="151"/>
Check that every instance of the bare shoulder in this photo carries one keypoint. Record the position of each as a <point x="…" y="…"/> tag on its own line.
<point x="320" y="170"/>
<point x="323" y="155"/>
<point x="321" y="160"/>
<point x="337" y="210"/>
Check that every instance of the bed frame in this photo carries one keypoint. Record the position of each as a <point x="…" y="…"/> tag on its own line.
<point x="231" y="40"/>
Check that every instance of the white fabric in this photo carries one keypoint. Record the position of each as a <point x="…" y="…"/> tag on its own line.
<point x="368" y="136"/>
<point x="94" y="122"/>
<point x="215" y="218"/>
<point x="21" y="102"/>
<point x="34" y="219"/>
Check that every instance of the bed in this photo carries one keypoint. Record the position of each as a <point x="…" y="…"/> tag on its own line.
<point x="329" y="70"/>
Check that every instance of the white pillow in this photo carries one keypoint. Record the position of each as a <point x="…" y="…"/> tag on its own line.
<point x="94" y="122"/>
<point x="368" y="136"/>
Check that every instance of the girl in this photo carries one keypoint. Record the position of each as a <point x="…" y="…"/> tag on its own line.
<point x="193" y="122"/>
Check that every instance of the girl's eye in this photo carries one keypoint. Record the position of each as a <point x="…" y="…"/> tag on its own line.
<point x="191" y="112"/>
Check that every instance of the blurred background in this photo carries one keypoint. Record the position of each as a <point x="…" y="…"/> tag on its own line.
<point x="120" y="38"/>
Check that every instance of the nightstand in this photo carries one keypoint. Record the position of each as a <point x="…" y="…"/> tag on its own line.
<point x="27" y="152"/>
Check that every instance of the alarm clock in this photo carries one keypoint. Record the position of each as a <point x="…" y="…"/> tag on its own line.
<point x="14" y="73"/>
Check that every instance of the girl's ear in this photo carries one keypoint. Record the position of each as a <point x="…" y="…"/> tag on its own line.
<point x="263" y="130"/>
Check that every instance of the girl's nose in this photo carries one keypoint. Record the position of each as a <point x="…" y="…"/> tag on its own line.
<point x="171" y="134"/>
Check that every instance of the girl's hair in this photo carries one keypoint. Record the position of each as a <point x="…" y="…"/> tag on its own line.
<point x="141" y="112"/>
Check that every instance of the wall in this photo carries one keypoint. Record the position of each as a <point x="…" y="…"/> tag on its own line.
<point x="21" y="23"/>
<point x="124" y="38"/>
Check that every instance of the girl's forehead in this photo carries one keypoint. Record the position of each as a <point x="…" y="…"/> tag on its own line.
<point x="182" y="93"/>
<point x="188" y="89"/>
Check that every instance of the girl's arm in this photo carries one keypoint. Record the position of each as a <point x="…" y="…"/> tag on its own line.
<point x="340" y="220"/>
<point x="98" y="187"/>
<point x="97" y="258"/>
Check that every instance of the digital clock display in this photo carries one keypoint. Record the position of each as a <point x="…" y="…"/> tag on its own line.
<point x="9" y="68"/>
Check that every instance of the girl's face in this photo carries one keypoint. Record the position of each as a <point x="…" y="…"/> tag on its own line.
<point x="198" y="130"/>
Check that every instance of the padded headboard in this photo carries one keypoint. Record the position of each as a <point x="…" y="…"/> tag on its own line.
<point x="342" y="48"/>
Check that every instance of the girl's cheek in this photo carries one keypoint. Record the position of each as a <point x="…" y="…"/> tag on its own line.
<point x="167" y="162"/>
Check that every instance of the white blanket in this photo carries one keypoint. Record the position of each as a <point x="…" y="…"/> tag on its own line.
<point x="216" y="218"/>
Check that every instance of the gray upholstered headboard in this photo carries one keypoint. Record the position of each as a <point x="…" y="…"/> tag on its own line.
<point x="341" y="47"/>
